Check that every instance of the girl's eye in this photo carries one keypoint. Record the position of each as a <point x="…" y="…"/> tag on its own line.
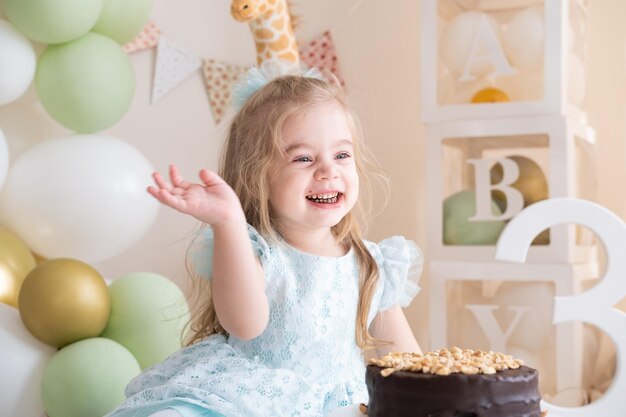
<point x="303" y="159"/>
<point x="343" y="155"/>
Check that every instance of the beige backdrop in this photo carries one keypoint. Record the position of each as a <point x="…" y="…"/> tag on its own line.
<point x="379" y="52"/>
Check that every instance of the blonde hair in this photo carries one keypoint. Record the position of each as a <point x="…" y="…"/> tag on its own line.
<point x="254" y="140"/>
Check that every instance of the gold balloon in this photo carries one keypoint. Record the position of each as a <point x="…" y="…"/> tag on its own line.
<point x="16" y="260"/>
<point x="542" y="238"/>
<point x="531" y="183"/>
<point x="39" y="259"/>
<point x="63" y="301"/>
<point x="490" y="95"/>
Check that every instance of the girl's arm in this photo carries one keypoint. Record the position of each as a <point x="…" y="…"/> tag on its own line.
<point x="391" y="325"/>
<point x="238" y="282"/>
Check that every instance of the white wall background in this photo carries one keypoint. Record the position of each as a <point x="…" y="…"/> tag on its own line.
<point x="378" y="45"/>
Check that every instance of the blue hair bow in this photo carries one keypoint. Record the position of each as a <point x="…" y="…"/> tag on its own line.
<point x="257" y="77"/>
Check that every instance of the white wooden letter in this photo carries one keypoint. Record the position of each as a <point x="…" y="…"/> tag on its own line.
<point x="482" y="182"/>
<point x="496" y="337"/>
<point x="594" y="306"/>
<point x="486" y="49"/>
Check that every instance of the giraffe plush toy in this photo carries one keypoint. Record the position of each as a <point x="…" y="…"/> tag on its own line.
<point x="271" y="26"/>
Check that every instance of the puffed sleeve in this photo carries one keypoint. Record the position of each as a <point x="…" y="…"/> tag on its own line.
<point x="400" y="262"/>
<point x="201" y="254"/>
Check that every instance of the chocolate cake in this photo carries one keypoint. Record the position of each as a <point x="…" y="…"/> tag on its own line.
<point x="455" y="383"/>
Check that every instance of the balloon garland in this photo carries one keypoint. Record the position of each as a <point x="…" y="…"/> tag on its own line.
<point x="53" y="309"/>
<point x="84" y="78"/>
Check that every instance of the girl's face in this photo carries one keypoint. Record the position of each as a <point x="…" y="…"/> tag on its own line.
<point x="316" y="183"/>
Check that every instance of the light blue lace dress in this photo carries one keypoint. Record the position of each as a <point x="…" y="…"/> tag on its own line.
<point x="305" y="363"/>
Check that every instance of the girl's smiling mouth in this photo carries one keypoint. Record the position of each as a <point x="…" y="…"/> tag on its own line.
<point x="325" y="197"/>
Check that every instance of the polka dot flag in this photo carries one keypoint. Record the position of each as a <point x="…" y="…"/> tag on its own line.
<point x="219" y="79"/>
<point x="148" y="38"/>
<point x="321" y="53"/>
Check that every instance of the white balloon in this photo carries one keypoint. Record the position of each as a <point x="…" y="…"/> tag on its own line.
<point x="526" y="85"/>
<point x="17" y="63"/>
<point x="4" y="159"/>
<point x="452" y="91"/>
<point x="22" y="362"/>
<point x="457" y="38"/>
<point x="81" y="197"/>
<point x="524" y="39"/>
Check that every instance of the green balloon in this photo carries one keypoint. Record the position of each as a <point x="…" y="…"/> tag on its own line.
<point x="86" y="85"/>
<point x="458" y="230"/>
<point x="148" y="315"/>
<point x="87" y="378"/>
<point x="122" y="20"/>
<point x="54" y="21"/>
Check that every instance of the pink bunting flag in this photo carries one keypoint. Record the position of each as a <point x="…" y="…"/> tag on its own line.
<point x="219" y="79"/>
<point x="321" y="53"/>
<point x="148" y="38"/>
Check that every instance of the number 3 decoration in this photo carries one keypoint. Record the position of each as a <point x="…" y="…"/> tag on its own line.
<point x="594" y="306"/>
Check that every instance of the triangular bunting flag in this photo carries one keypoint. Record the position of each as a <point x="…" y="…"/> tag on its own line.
<point x="321" y="53"/>
<point x="219" y="79"/>
<point x="173" y="66"/>
<point x="148" y="38"/>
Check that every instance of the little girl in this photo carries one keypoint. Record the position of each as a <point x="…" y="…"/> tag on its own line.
<point x="297" y="295"/>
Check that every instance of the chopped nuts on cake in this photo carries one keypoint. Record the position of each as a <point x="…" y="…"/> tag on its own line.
<point x="446" y="362"/>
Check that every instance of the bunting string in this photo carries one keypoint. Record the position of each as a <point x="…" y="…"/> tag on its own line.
<point x="174" y="64"/>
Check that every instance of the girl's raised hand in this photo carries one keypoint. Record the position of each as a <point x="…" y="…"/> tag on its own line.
<point x="212" y="202"/>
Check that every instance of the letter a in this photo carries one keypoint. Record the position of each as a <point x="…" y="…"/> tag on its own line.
<point x="486" y="51"/>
